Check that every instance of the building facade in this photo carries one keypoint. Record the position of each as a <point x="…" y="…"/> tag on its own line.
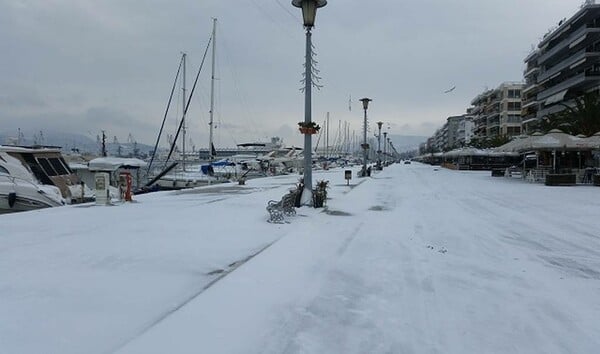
<point x="465" y="130"/>
<point x="565" y="65"/>
<point x="497" y="112"/>
<point x="460" y="131"/>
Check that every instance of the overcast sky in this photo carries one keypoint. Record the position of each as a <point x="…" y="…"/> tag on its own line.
<point x="84" y="66"/>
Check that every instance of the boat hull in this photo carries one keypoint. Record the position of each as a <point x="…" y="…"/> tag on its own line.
<point x="23" y="203"/>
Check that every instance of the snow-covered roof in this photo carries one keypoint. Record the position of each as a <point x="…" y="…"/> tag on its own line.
<point x="553" y="140"/>
<point x="476" y="152"/>
<point x="77" y="166"/>
<point x="113" y="163"/>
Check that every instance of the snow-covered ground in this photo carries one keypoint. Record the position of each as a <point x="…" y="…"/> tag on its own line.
<point x="412" y="260"/>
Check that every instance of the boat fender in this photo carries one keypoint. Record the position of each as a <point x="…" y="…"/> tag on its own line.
<point x="12" y="198"/>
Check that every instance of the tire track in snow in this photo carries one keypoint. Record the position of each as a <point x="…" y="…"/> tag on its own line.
<point x="233" y="267"/>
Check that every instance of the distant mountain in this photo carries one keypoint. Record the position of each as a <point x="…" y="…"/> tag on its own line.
<point x="404" y="143"/>
<point x="69" y="141"/>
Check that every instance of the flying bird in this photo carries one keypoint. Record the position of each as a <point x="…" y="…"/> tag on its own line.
<point x="450" y="90"/>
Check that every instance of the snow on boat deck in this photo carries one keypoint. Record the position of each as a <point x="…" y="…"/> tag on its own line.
<point x="412" y="260"/>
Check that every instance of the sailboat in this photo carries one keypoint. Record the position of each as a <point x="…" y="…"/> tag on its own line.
<point x="188" y="176"/>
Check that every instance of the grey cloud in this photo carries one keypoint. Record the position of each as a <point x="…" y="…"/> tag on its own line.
<point x="109" y="64"/>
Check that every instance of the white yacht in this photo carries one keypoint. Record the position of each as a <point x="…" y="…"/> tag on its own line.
<point x="21" y="191"/>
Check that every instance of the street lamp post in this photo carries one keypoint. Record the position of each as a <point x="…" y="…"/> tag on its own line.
<point x="309" y="12"/>
<point x="379" y="124"/>
<point x="365" y="101"/>
<point x="384" y="146"/>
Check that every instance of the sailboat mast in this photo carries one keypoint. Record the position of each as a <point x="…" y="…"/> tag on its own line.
<point x="327" y="137"/>
<point x="212" y="91"/>
<point x="183" y="118"/>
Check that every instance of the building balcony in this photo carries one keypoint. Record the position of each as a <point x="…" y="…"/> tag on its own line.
<point x="529" y="89"/>
<point x="569" y="83"/>
<point x="533" y="55"/>
<point x="550" y="110"/>
<point x="575" y="58"/>
<point x="513" y="111"/>
<point x="493" y="124"/>
<point x="531" y="120"/>
<point x="571" y="41"/>
<point x="531" y="71"/>
<point x="531" y="103"/>
<point x="570" y="63"/>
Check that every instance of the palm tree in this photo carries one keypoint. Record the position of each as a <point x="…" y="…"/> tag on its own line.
<point x="583" y="118"/>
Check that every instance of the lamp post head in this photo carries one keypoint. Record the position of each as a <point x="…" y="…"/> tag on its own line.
<point x="365" y="102"/>
<point x="309" y="10"/>
<point x="379" y="124"/>
<point x="384" y="135"/>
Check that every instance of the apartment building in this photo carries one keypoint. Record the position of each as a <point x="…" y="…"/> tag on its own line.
<point x="565" y="65"/>
<point x="456" y="132"/>
<point x="460" y="131"/>
<point x="497" y="112"/>
<point x="530" y="106"/>
<point x="479" y="116"/>
<point x="465" y="130"/>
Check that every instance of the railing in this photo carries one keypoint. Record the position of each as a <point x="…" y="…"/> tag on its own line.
<point x="562" y="65"/>
<point x="568" y="83"/>
<point x="530" y="71"/>
<point x="537" y="175"/>
<point x="563" y="44"/>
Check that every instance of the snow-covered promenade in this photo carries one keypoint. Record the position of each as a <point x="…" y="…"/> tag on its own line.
<point x="412" y="260"/>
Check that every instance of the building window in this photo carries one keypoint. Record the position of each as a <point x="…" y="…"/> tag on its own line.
<point x="513" y="118"/>
<point x="514" y="93"/>
<point x="514" y="106"/>
<point x="513" y="130"/>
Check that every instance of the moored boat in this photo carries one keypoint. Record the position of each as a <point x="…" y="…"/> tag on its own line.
<point x="21" y="191"/>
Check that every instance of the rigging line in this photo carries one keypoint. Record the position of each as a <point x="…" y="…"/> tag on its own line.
<point x="165" y="115"/>
<point x="242" y="98"/>
<point x="189" y="101"/>
<point x="296" y="18"/>
<point x="319" y="136"/>
<point x="285" y="29"/>
<point x="202" y="99"/>
<point x="221" y="123"/>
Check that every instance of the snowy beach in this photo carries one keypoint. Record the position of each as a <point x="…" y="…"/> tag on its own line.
<point x="415" y="259"/>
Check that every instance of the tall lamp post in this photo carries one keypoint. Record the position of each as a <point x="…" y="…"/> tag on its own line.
<point x="384" y="146"/>
<point x="309" y="12"/>
<point x="379" y="124"/>
<point x="365" y="101"/>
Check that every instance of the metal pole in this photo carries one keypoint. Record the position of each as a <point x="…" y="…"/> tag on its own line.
<point x="379" y="124"/>
<point x="385" y="147"/>
<point x="327" y="138"/>
<point x="183" y="118"/>
<point x="307" y="194"/>
<point x="365" y="145"/>
<point x="212" y="92"/>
